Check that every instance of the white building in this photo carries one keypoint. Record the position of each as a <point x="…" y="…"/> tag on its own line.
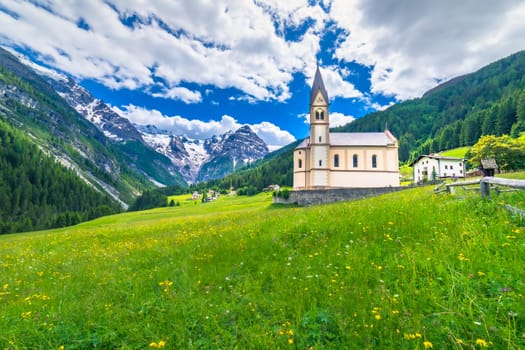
<point x="429" y="167"/>
<point x="342" y="160"/>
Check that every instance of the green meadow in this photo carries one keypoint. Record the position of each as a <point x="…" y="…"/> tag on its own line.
<point x="408" y="270"/>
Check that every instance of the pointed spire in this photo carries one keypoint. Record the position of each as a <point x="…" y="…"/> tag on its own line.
<point x="318" y="85"/>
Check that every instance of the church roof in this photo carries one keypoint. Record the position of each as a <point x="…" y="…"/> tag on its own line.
<point x="355" y="139"/>
<point x="318" y="85"/>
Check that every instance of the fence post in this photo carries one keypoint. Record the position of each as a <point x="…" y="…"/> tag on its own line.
<point x="484" y="188"/>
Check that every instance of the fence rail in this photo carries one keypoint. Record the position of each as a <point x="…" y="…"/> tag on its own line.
<point x="487" y="181"/>
<point x="484" y="185"/>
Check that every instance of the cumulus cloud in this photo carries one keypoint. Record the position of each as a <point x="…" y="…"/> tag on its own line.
<point x="270" y="133"/>
<point x="336" y="119"/>
<point x="411" y="45"/>
<point x="227" y="44"/>
<point x="258" y="47"/>
<point x="179" y="93"/>
<point x="339" y="119"/>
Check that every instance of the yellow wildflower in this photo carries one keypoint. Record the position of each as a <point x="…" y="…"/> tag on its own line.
<point x="427" y="344"/>
<point x="482" y="343"/>
<point x="161" y="344"/>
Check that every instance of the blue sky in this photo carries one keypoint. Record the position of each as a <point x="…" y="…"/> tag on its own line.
<point x="201" y="67"/>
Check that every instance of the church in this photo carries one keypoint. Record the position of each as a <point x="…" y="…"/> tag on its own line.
<point x="328" y="160"/>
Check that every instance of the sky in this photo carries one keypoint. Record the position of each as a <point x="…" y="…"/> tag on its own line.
<point x="199" y="68"/>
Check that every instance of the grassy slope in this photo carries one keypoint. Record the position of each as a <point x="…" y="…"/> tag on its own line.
<point x="389" y="272"/>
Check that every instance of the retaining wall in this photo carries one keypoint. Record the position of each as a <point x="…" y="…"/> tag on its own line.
<point x="313" y="197"/>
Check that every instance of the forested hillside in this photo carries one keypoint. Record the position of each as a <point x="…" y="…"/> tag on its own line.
<point x="456" y="113"/>
<point x="275" y="168"/>
<point x="490" y="101"/>
<point x="30" y="104"/>
<point x="37" y="193"/>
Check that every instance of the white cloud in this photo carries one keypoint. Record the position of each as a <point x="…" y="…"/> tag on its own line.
<point x="336" y="119"/>
<point x="339" y="119"/>
<point x="270" y="133"/>
<point x="333" y="78"/>
<point x="410" y="45"/>
<point x="179" y="93"/>
<point x="230" y="43"/>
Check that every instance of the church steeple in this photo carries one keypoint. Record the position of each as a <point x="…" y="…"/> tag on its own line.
<point x="318" y="86"/>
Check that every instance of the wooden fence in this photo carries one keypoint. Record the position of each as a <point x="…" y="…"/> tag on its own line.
<point x="487" y="181"/>
<point x="485" y="184"/>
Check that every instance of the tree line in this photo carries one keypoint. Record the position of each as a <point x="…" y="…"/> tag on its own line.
<point x="490" y="101"/>
<point x="38" y="193"/>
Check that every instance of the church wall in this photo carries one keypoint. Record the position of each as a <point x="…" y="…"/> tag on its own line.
<point x="319" y="153"/>
<point x="363" y="179"/>
<point x="318" y="130"/>
<point x="386" y="158"/>
<point x="300" y="174"/>
<point x="299" y="180"/>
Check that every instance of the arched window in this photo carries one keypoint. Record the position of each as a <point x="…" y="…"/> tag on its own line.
<point x="300" y="165"/>
<point x="336" y="161"/>
<point x="374" y="161"/>
<point x="355" y="161"/>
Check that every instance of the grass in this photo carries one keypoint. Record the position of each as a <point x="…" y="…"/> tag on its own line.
<point x="409" y="270"/>
<point x="457" y="152"/>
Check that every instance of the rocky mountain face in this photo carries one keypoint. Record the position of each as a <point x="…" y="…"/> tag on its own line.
<point x="203" y="160"/>
<point x="114" y="126"/>
<point x="195" y="160"/>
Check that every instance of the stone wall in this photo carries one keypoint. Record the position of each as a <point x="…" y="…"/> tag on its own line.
<point x="313" y="197"/>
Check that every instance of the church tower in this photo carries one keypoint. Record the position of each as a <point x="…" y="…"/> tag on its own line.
<point x="319" y="134"/>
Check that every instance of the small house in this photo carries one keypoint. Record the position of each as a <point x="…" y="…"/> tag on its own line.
<point x="488" y="167"/>
<point x="434" y="167"/>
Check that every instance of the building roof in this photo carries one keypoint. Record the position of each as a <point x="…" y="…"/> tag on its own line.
<point x="318" y="85"/>
<point x="435" y="156"/>
<point x="489" y="163"/>
<point x="356" y="139"/>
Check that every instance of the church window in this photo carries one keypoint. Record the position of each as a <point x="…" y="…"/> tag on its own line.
<point x="300" y="165"/>
<point x="336" y="161"/>
<point x="374" y="161"/>
<point x="355" y="161"/>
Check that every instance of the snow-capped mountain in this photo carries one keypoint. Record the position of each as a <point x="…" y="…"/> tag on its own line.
<point x="202" y="160"/>
<point x="195" y="160"/>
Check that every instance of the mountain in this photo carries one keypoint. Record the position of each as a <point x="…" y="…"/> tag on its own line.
<point x="203" y="160"/>
<point x="171" y="158"/>
<point x="119" y="130"/>
<point x="490" y="101"/>
<point x="29" y="103"/>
